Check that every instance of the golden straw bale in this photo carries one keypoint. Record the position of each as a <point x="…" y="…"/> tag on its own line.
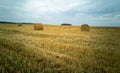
<point x="38" y="26"/>
<point x="85" y="27"/>
<point x="19" y="24"/>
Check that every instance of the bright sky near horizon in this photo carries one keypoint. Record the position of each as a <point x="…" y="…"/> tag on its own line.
<point x="76" y="12"/>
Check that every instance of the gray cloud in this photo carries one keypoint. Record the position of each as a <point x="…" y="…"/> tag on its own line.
<point x="101" y="12"/>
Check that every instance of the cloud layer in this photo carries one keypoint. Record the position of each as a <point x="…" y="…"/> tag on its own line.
<point x="102" y="12"/>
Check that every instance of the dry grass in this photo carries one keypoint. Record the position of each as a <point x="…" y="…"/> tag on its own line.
<point x="59" y="49"/>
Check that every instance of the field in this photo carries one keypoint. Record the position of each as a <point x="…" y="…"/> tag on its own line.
<point x="59" y="49"/>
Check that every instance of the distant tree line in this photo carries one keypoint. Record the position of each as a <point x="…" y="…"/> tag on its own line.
<point x="66" y="24"/>
<point x="4" y="22"/>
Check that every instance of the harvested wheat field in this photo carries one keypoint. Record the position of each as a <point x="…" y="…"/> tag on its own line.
<point x="59" y="49"/>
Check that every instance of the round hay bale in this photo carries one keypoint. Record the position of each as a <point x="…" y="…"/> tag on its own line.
<point x="19" y="24"/>
<point x="38" y="26"/>
<point x="85" y="27"/>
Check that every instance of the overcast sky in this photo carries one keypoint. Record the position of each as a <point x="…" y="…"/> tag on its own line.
<point x="76" y="12"/>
